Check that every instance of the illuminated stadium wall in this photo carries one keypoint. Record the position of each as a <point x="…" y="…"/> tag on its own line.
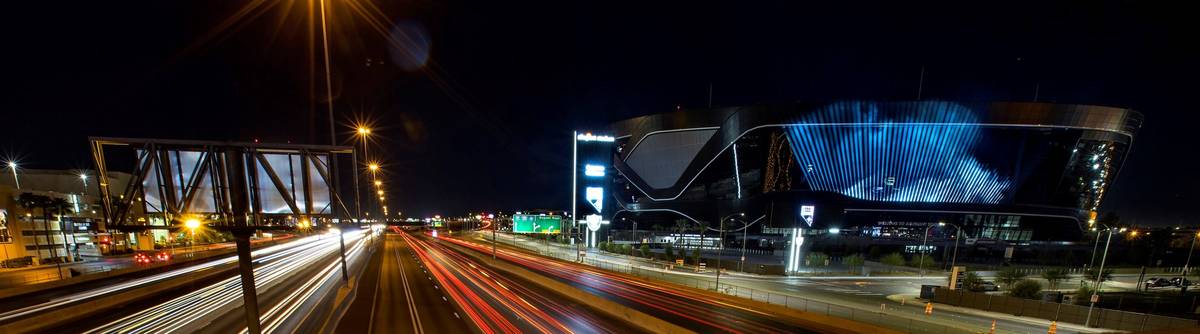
<point x="1015" y="171"/>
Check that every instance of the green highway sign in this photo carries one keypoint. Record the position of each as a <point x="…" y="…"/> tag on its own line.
<point x="537" y="224"/>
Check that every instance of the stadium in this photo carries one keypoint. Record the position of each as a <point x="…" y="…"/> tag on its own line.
<point x="851" y="174"/>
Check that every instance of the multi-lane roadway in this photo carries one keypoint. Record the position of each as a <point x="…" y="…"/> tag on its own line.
<point x="423" y="286"/>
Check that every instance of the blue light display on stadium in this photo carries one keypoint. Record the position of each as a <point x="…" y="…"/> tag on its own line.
<point x="920" y="154"/>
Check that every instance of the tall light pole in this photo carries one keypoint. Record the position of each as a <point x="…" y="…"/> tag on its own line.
<point x="924" y="240"/>
<point x="192" y="224"/>
<point x="1096" y="244"/>
<point x="958" y="233"/>
<point x="633" y="237"/>
<point x="1099" y="275"/>
<point x="742" y="261"/>
<point x="721" y="247"/>
<point x="362" y="133"/>
<point x="1183" y="274"/>
<point x="12" y="165"/>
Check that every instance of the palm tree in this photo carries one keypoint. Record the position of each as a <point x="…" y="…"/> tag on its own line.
<point x="61" y="205"/>
<point x="45" y="202"/>
<point x="681" y="226"/>
<point x="29" y="201"/>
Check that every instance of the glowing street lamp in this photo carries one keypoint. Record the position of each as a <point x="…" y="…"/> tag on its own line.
<point x="192" y="224"/>
<point x="380" y="192"/>
<point x="378" y="183"/>
<point x="363" y="131"/>
<point x="12" y="165"/>
<point x="373" y="167"/>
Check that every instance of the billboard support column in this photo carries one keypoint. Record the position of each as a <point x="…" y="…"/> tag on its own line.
<point x="574" y="188"/>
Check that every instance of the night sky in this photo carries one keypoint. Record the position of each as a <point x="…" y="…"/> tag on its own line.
<point x="473" y="102"/>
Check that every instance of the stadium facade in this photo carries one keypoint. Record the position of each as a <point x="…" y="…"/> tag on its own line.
<point x="1006" y="172"/>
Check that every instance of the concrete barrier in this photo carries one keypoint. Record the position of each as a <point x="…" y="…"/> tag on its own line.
<point x="637" y="318"/>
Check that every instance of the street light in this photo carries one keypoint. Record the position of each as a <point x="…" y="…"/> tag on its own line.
<point x="192" y="224"/>
<point x="378" y="183"/>
<point x="1183" y="274"/>
<point x="373" y="167"/>
<point x="742" y="260"/>
<point x="924" y="240"/>
<point x="1099" y="275"/>
<point x="12" y="165"/>
<point x="957" y="236"/>
<point x="721" y="247"/>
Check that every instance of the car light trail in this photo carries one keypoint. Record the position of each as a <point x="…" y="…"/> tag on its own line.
<point x="530" y="311"/>
<point x="200" y="307"/>
<point x="139" y="282"/>
<point x="699" y="311"/>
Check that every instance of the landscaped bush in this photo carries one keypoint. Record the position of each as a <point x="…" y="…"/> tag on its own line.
<point x="1026" y="288"/>
<point x="893" y="259"/>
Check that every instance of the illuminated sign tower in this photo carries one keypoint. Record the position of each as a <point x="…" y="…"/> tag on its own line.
<point x="590" y="178"/>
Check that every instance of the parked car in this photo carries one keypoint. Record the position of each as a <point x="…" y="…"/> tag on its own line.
<point x="981" y="286"/>
<point x="1180" y="281"/>
<point x="1156" y="282"/>
<point x="986" y="286"/>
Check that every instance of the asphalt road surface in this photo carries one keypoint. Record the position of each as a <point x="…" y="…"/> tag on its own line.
<point x="397" y="295"/>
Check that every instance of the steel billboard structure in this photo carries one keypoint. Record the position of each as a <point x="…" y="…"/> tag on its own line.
<point x="230" y="185"/>
<point x="235" y="187"/>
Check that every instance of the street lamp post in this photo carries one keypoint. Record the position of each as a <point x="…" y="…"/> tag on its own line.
<point x="957" y="236"/>
<point x="721" y="247"/>
<point x="742" y="260"/>
<point x="192" y="224"/>
<point x="924" y="240"/>
<point x="1186" y="265"/>
<point x="12" y="165"/>
<point x="1099" y="275"/>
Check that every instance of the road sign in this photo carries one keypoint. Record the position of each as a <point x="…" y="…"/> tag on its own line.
<point x="701" y="267"/>
<point x="537" y="224"/>
<point x="679" y="262"/>
<point x="1095" y="298"/>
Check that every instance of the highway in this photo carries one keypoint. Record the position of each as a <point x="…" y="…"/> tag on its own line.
<point x="287" y="277"/>
<point x="17" y="308"/>
<point x="397" y="294"/>
<point x="282" y="289"/>
<point x="15" y="277"/>
<point x="859" y="293"/>
<point x="424" y="286"/>
<point x="689" y="308"/>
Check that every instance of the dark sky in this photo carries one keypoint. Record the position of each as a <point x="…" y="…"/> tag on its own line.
<point x="486" y="122"/>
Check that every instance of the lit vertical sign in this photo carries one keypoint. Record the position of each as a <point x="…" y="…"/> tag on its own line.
<point x="593" y="170"/>
<point x="593" y="156"/>
<point x="808" y="212"/>
<point x="794" y="246"/>
<point x="595" y="197"/>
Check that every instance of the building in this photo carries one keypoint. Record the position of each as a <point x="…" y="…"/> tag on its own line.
<point x="32" y="235"/>
<point x="836" y="175"/>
